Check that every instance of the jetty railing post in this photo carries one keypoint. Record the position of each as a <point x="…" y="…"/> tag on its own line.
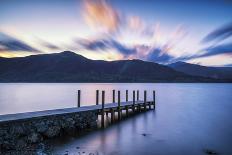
<point x="133" y="100"/>
<point x="103" y="106"/>
<point x="126" y="95"/>
<point x="137" y="95"/>
<point x="119" y="106"/>
<point x="145" y="100"/>
<point x="78" y="98"/>
<point x="154" y="98"/>
<point x="113" y="96"/>
<point x="127" y="110"/>
<point x="97" y="97"/>
<point x="139" y="107"/>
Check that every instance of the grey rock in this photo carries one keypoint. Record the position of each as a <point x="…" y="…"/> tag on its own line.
<point x="17" y="130"/>
<point x="21" y="143"/>
<point x="34" y="138"/>
<point x="52" y="131"/>
<point x="41" y="127"/>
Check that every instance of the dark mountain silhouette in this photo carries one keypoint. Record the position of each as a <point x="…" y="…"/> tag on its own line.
<point x="70" y="67"/>
<point x="198" y="70"/>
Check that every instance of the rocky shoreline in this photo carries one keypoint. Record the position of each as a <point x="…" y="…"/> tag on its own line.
<point x="21" y="135"/>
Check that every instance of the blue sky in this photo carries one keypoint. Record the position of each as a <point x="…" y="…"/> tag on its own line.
<point x="160" y="31"/>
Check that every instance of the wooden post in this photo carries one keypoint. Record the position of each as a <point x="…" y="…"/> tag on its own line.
<point x="97" y="97"/>
<point x="145" y="100"/>
<point x="126" y="95"/>
<point x="137" y="95"/>
<point x="119" y="106"/>
<point x="154" y="98"/>
<point x="133" y="101"/>
<point x="103" y="106"/>
<point x="78" y="98"/>
<point x="112" y="115"/>
<point x="113" y="96"/>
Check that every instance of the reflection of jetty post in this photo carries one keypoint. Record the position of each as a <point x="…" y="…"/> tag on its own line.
<point x="154" y="98"/>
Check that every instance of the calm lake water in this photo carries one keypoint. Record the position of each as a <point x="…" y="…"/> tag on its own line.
<point x="189" y="118"/>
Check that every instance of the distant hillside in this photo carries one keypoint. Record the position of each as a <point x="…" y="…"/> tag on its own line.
<point x="198" y="70"/>
<point x="70" y="67"/>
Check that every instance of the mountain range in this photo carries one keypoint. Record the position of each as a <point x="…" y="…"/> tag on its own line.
<point x="70" y="67"/>
<point x="203" y="71"/>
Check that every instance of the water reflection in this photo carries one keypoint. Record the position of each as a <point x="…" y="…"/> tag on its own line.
<point x="111" y="140"/>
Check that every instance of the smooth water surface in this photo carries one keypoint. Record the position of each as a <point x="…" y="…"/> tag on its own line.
<point x="189" y="118"/>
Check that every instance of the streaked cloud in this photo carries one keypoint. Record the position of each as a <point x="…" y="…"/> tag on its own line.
<point x="212" y="51"/>
<point x="122" y="48"/>
<point x="214" y="60"/>
<point x="48" y="45"/>
<point x="106" y="43"/>
<point x="101" y="16"/>
<point x="223" y="51"/>
<point x="11" y="44"/>
<point x="217" y="48"/>
<point x="140" y="51"/>
<point x="98" y="14"/>
<point x="135" y="23"/>
<point x="219" y="34"/>
<point x="93" y="44"/>
<point x="160" y="56"/>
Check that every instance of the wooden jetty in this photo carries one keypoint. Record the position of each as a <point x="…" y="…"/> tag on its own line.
<point x="29" y="126"/>
<point x="104" y="109"/>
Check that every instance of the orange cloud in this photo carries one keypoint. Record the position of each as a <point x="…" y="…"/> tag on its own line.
<point x="99" y="14"/>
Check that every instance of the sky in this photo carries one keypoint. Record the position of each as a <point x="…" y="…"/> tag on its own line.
<point x="162" y="31"/>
